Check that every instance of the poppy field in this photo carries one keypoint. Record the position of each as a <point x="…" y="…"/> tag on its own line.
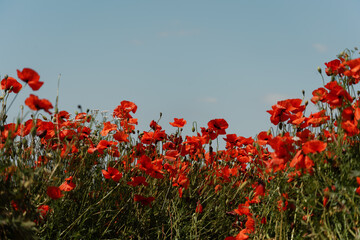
<point x="84" y="176"/>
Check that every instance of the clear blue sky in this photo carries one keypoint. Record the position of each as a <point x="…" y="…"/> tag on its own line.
<point x="196" y="60"/>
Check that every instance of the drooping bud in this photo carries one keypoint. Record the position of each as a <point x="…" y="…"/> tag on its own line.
<point x="319" y="70"/>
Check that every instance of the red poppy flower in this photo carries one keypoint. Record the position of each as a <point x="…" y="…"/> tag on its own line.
<point x="334" y="67"/>
<point x="354" y="70"/>
<point x="318" y="118"/>
<point x="112" y="173"/>
<point x="124" y="109"/>
<point x="102" y="145"/>
<point x="30" y="77"/>
<point x="108" y="127"/>
<point x="136" y="181"/>
<point x="243" y="209"/>
<point x="68" y="185"/>
<point x="54" y="192"/>
<point x="155" y="126"/>
<point x="121" y="136"/>
<point x="43" y="210"/>
<point x="350" y="128"/>
<point x="11" y="84"/>
<point x="199" y="208"/>
<point x="283" y="109"/>
<point x="153" y="137"/>
<point x="314" y="146"/>
<point x="337" y="95"/>
<point x="34" y="103"/>
<point x="358" y="182"/>
<point x="318" y="95"/>
<point x="218" y="125"/>
<point x="250" y="224"/>
<point x="143" y="200"/>
<point x="178" y="122"/>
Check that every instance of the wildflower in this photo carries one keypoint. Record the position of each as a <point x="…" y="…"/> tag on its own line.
<point x="334" y="67"/>
<point x="43" y="210"/>
<point x="143" y="200"/>
<point x="121" y="136"/>
<point x="243" y="209"/>
<point x="123" y="110"/>
<point x="218" y="126"/>
<point x="107" y="128"/>
<point x="178" y="122"/>
<point x="358" y="182"/>
<point x="319" y="95"/>
<point x="54" y="192"/>
<point x="34" y="103"/>
<point x="199" y="208"/>
<point x="354" y="70"/>
<point x="68" y="185"/>
<point x="10" y="84"/>
<point x="112" y="173"/>
<point x="314" y="146"/>
<point x="337" y="95"/>
<point x="136" y="181"/>
<point x="283" y="109"/>
<point x="30" y="77"/>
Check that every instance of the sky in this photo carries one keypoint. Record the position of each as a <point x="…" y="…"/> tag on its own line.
<point x="197" y="60"/>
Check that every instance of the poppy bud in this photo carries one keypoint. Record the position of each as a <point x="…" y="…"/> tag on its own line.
<point x="193" y="129"/>
<point x="45" y="118"/>
<point x="269" y="132"/>
<point x="6" y="76"/>
<point x="319" y="70"/>
<point x="303" y="92"/>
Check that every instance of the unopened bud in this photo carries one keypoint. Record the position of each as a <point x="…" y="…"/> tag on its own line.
<point x="6" y="76"/>
<point x="160" y="114"/>
<point x="193" y="129"/>
<point x="306" y="102"/>
<point x="303" y="92"/>
<point x="269" y="132"/>
<point x="319" y="70"/>
<point x="45" y="118"/>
